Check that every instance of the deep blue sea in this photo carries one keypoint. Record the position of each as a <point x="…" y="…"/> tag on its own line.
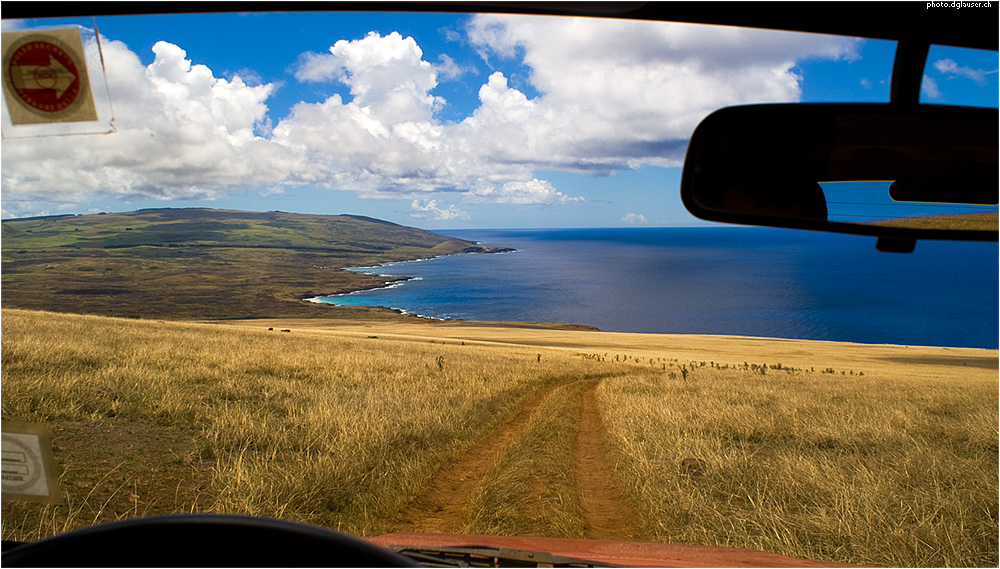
<point x="711" y="280"/>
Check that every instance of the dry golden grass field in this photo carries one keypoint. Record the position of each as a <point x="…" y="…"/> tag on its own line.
<point x="881" y="455"/>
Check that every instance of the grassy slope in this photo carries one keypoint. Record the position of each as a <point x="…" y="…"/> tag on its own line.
<point x="874" y="470"/>
<point x="151" y="418"/>
<point x="980" y="221"/>
<point x="341" y="427"/>
<point x="695" y="350"/>
<point x="872" y="454"/>
<point x="199" y="263"/>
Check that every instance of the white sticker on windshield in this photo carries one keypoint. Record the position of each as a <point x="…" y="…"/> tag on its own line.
<point x="45" y="77"/>
<point x="28" y="468"/>
<point x="53" y="83"/>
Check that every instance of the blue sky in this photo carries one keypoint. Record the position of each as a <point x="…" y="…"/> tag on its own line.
<point x="433" y="120"/>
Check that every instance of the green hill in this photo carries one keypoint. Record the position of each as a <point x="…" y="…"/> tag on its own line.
<point x="200" y="263"/>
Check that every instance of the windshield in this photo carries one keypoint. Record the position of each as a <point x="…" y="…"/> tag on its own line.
<point x="393" y="273"/>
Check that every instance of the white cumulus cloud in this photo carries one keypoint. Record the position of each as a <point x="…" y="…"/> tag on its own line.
<point x="532" y="191"/>
<point x="431" y="210"/>
<point x="618" y="93"/>
<point x="634" y="219"/>
<point x="611" y="94"/>
<point x="182" y="133"/>
<point x="386" y="74"/>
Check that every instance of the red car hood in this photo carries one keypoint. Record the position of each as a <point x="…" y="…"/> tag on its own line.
<point x="632" y="554"/>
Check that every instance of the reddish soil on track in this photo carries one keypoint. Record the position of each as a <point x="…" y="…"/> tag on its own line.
<point x="441" y="508"/>
<point x="606" y="510"/>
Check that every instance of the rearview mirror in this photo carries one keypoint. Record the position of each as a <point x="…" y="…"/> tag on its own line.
<point x="898" y="172"/>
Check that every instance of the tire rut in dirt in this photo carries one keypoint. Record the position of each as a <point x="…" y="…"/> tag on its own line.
<point x="605" y="508"/>
<point x="442" y="506"/>
<point x="543" y="474"/>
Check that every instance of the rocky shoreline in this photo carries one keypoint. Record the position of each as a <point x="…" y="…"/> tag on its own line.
<point x="396" y="281"/>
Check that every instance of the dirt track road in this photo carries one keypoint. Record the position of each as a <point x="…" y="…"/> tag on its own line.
<point x="583" y="481"/>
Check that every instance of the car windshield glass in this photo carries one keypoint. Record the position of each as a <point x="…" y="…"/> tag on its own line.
<point x="416" y="277"/>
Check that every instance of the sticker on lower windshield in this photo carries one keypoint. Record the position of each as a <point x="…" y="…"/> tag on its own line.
<point x="28" y="468"/>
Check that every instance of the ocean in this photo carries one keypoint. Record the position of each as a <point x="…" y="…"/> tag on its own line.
<point x="710" y="280"/>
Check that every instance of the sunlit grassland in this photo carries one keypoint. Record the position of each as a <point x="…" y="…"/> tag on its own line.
<point x="337" y="432"/>
<point x="871" y="454"/>
<point x="889" y="460"/>
<point x="529" y="489"/>
<point x="871" y="469"/>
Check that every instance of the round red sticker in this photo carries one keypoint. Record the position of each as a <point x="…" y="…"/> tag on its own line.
<point x="44" y="76"/>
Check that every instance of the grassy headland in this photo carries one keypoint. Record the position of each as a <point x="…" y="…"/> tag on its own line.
<point x="883" y="455"/>
<point x="202" y="263"/>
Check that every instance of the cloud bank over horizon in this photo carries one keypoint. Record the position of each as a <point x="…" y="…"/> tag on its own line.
<point x="608" y="96"/>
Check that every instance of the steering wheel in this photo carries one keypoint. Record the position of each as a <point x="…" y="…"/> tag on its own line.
<point x="203" y="540"/>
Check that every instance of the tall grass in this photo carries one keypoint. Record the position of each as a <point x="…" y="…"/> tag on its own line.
<point x="332" y="431"/>
<point x="344" y="430"/>
<point x="870" y="470"/>
<point x="529" y="489"/>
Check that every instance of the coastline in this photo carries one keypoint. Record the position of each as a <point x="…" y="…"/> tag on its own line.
<point x="388" y="285"/>
<point x="638" y="280"/>
<point x="477" y="249"/>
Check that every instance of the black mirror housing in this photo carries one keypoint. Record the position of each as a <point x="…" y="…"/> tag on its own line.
<point x="768" y="165"/>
